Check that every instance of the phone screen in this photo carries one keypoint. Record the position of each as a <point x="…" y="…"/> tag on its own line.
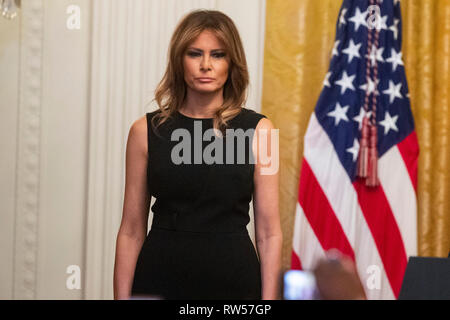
<point x="299" y="285"/>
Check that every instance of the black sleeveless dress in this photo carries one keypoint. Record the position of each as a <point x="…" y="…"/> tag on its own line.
<point x="198" y="246"/>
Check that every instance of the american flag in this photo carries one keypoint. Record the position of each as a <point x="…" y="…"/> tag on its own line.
<point x="374" y="225"/>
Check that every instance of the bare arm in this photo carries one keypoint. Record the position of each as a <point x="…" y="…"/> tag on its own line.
<point x="269" y="237"/>
<point x="133" y="228"/>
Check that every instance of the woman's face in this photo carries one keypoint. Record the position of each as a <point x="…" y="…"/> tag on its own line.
<point x="206" y="64"/>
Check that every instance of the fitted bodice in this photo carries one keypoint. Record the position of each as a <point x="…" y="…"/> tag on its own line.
<point x="200" y="195"/>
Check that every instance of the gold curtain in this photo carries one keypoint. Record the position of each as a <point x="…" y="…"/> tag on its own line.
<point x="299" y="39"/>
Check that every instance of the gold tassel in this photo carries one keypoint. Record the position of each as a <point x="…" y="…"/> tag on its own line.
<point x="363" y="159"/>
<point x="372" y="177"/>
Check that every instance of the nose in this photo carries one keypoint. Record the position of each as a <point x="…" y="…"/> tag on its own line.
<point x="205" y="64"/>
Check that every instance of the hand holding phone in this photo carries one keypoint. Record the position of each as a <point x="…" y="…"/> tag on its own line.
<point x="337" y="278"/>
<point x="334" y="278"/>
<point x="299" y="285"/>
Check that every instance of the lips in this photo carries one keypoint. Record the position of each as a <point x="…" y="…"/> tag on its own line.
<point x="205" y="80"/>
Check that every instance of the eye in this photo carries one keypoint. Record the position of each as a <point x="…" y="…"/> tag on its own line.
<point x="219" y="55"/>
<point x="194" y="54"/>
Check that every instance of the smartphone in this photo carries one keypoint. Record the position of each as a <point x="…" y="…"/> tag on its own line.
<point x="299" y="285"/>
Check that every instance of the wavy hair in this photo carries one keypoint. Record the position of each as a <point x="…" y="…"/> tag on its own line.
<point x="172" y="89"/>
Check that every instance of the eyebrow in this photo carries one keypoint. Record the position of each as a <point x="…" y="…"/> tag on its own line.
<point x="197" y="49"/>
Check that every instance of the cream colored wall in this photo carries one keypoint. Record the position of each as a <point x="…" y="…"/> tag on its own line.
<point x="9" y="74"/>
<point x="68" y="98"/>
<point x="44" y="111"/>
<point x="64" y="142"/>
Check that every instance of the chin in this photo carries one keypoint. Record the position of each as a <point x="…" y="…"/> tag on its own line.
<point x="207" y="90"/>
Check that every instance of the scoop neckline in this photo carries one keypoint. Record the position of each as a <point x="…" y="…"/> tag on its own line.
<point x="191" y="118"/>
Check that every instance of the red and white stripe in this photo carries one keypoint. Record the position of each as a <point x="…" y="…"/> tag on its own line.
<point x="372" y="226"/>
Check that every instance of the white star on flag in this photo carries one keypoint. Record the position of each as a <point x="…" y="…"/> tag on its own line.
<point x="375" y="55"/>
<point x="360" y="117"/>
<point x="370" y="87"/>
<point x="389" y="123"/>
<point x="326" y="82"/>
<point x="393" y="91"/>
<point x="342" y="17"/>
<point x="339" y="113"/>
<point x="394" y="28"/>
<point x="352" y="50"/>
<point x="354" y="150"/>
<point x="382" y="23"/>
<point x="359" y="19"/>
<point x="346" y="82"/>
<point x="335" y="49"/>
<point x="395" y="59"/>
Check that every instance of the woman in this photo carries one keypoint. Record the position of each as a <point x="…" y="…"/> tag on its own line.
<point x="198" y="246"/>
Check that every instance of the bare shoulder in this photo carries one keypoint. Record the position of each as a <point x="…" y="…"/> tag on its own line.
<point x="137" y="138"/>
<point x="265" y="123"/>
<point x="266" y="149"/>
<point x="140" y="124"/>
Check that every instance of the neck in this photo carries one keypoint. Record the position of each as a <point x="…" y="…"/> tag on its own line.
<point x="202" y="105"/>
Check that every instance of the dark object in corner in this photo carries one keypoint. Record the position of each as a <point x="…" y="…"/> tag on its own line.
<point x="426" y="279"/>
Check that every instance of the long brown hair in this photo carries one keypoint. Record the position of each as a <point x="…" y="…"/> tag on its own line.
<point x="171" y="91"/>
